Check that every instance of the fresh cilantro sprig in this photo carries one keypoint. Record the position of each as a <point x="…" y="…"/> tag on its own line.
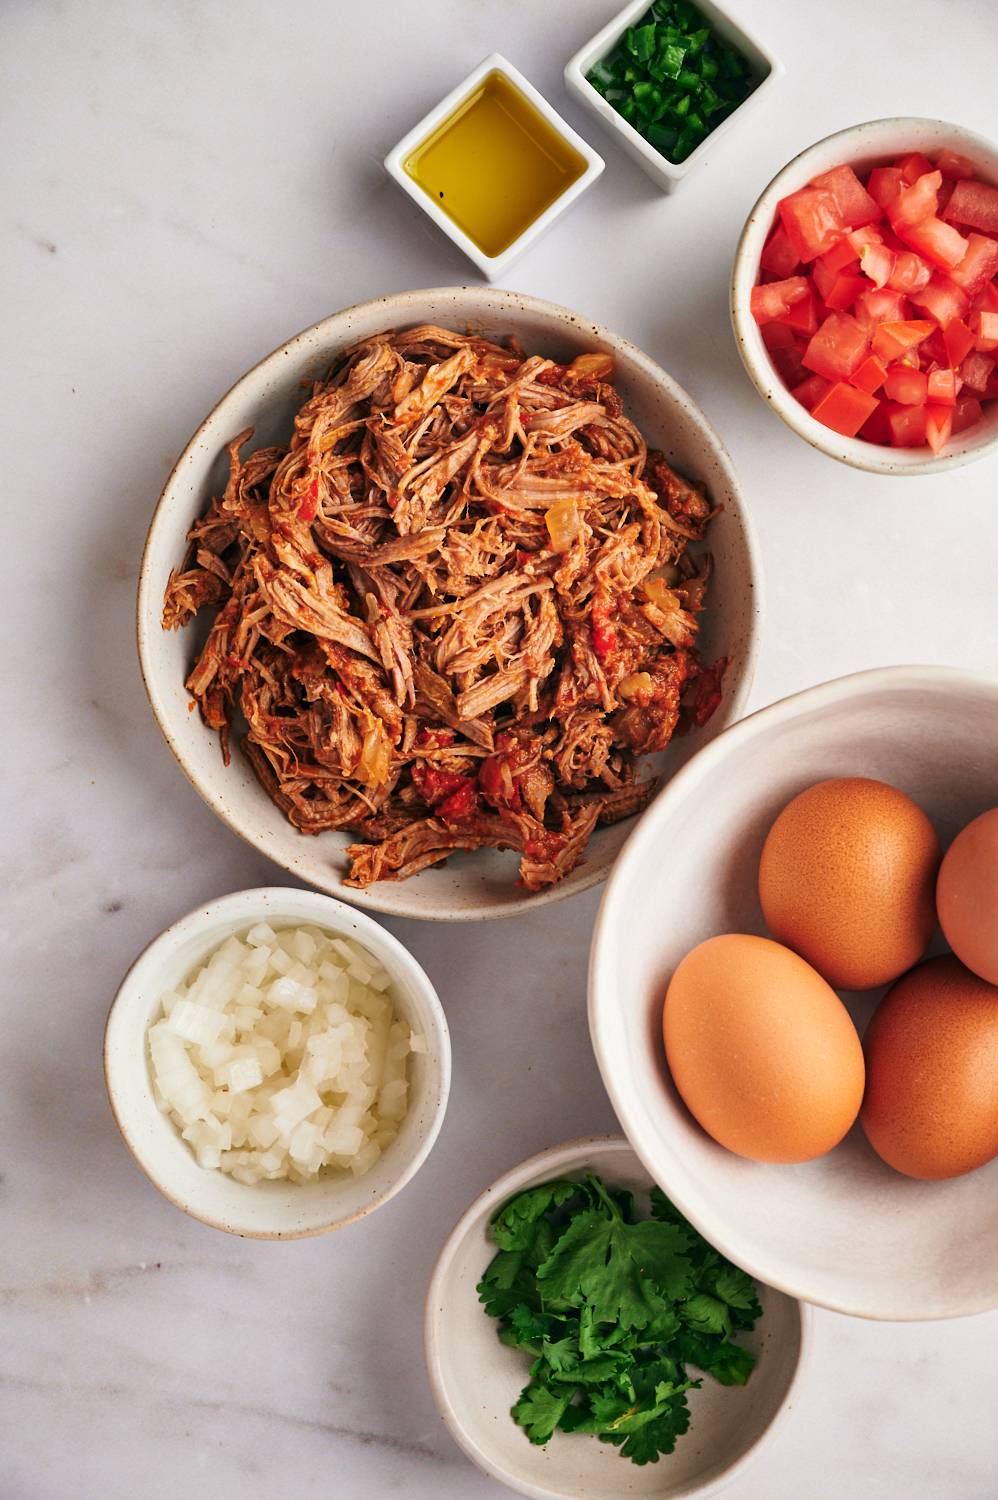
<point x="611" y="1310"/>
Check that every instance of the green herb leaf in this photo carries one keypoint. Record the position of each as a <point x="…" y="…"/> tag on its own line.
<point x="539" y="1410"/>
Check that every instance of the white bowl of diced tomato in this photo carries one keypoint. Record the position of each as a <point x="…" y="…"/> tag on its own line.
<point x="864" y="296"/>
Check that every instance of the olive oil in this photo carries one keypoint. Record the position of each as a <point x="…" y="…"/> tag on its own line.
<point x="495" y="164"/>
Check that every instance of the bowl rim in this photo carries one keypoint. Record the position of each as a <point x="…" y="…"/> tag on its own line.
<point x="872" y="458"/>
<point x="398" y="305"/>
<point x="248" y="905"/>
<point x="602" y="951"/>
<point x="554" y="1159"/>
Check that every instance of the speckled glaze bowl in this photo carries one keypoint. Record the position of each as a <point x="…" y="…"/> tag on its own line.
<point x="269" y="1210"/>
<point x="860" y="146"/>
<point x="475" y="1379"/>
<point x="468" y="886"/>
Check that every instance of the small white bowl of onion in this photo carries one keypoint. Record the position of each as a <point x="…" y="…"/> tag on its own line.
<point x="277" y="1063"/>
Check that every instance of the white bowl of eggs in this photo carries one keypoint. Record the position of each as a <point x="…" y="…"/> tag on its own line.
<point x="278" y="1064"/>
<point x="798" y="1051"/>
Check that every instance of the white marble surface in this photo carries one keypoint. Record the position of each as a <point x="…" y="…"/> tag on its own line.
<point x="184" y="185"/>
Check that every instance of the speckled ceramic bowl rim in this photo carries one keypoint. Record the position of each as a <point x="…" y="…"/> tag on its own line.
<point x="871" y="457"/>
<point x="249" y="906"/>
<point x="686" y="784"/>
<point x="552" y="1162"/>
<point x="399" y="307"/>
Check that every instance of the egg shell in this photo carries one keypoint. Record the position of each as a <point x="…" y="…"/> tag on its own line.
<point x="931" y="1103"/>
<point x="967" y="895"/>
<point x="762" y="1050"/>
<point x="847" y="879"/>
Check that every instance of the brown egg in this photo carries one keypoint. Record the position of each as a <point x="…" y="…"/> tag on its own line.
<point x="846" y="879"/>
<point x="931" y="1104"/>
<point x="762" y="1050"/>
<point x="967" y="895"/>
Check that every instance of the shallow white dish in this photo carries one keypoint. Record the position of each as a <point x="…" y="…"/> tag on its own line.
<point x="269" y="1210"/>
<point x="491" y="266"/>
<point x="766" y="68"/>
<point x="859" y="146"/>
<point x="470" y="886"/>
<point x="475" y="1379"/>
<point x="844" y="1231"/>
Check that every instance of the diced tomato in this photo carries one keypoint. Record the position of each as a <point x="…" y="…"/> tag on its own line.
<point x="966" y="412"/>
<point x="789" y="361"/>
<point x="942" y="387"/>
<point x="936" y="241"/>
<point x="857" y="239"/>
<point x="913" y="166"/>
<point x="854" y="203"/>
<point x="845" y="253"/>
<point x="870" y="374"/>
<point x="876" y="429"/>
<point x="984" y="326"/>
<point x="837" y="348"/>
<point x="838" y="289"/>
<point x="942" y="299"/>
<point x="916" y="202"/>
<point x="891" y="340"/>
<point x="907" y="425"/>
<point x="775" y="300"/>
<point x="881" y="306"/>
<point x="931" y="352"/>
<point x="460" y="805"/>
<point x="974" y="204"/>
<point x="975" y="370"/>
<point x="978" y="265"/>
<point x="951" y="164"/>
<point x="877" y="262"/>
<point x="958" y="340"/>
<point x="802" y="315"/>
<point x="906" y="385"/>
<point x="844" y="409"/>
<point x="909" y="272"/>
<point x="812" y="221"/>
<point x="777" y="336"/>
<point x="810" y="391"/>
<point x="779" y="256"/>
<point x="884" y="185"/>
<point x="938" y="426"/>
<point x="987" y="298"/>
<point x="943" y="196"/>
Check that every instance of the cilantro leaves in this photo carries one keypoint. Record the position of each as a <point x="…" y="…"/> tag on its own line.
<point x="611" y="1309"/>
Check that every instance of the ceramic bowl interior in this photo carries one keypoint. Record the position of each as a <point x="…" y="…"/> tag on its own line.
<point x="475" y="1379"/>
<point x="268" y="1210"/>
<point x="845" y="1231"/>
<point x="482" y="884"/>
<point x="861" y="146"/>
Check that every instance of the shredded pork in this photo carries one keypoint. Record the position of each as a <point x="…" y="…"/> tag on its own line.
<point x="455" y="610"/>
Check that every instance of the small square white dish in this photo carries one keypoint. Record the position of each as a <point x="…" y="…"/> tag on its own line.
<point x="491" y="266"/>
<point x="766" y="68"/>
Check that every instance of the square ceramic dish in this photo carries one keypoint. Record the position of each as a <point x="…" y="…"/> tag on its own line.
<point x="495" y="265"/>
<point x="766" y="69"/>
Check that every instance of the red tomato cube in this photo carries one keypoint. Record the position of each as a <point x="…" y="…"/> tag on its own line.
<point x="906" y="385"/>
<point x="891" y="340"/>
<point x="975" y="370"/>
<point x="854" y="203"/>
<point x="802" y="315"/>
<point x="789" y="362"/>
<point x="984" y="326"/>
<point x="942" y="299"/>
<point x="942" y="387"/>
<point x="779" y="256"/>
<point x="838" y="289"/>
<point x="987" y="298"/>
<point x="881" y="306"/>
<point x="812" y="221"/>
<point x="978" y="265"/>
<point x="909" y="272"/>
<point x="938" y="426"/>
<point x="845" y="253"/>
<point x="974" y="204"/>
<point x="936" y="241"/>
<point x="844" y="409"/>
<point x="958" y="340"/>
<point x="870" y="374"/>
<point x="876" y="428"/>
<point x="777" y="336"/>
<point x="884" y="185"/>
<point x="907" y="425"/>
<point x="770" y="302"/>
<point x="810" y="391"/>
<point x="915" y="202"/>
<point x="913" y="166"/>
<point x="966" y="412"/>
<point x="877" y="262"/>
<point x="838" y="347"/>
<point x="951" y="164"/>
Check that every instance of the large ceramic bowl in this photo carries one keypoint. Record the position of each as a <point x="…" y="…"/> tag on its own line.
<point x="845" y="1231"/>
<point x="269" y="1210"/>
<point x="861" y="146"/>
<point x="476" y="885"/>
<point x="475" y="1379"/>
